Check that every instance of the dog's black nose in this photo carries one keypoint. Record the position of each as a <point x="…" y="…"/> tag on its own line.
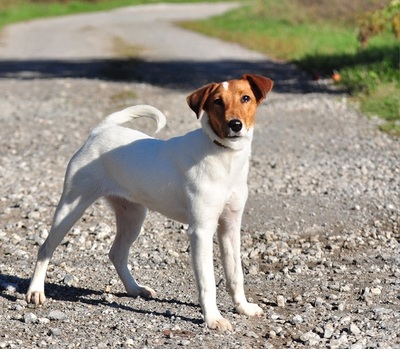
<point x="235" y="125"/>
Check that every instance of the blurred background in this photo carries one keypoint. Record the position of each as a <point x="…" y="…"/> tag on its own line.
<point x="353" y="43"/>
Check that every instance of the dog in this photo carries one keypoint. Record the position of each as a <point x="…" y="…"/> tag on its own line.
<point x="199" y="179"/>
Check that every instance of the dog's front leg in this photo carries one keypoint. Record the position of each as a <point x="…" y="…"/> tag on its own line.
<point x="201" y="241"/>
<point x="229" y="244"/>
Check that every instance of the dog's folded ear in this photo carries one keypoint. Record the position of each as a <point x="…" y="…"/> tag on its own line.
<point x="198" y="98"/>
<point x="260" y="85"/>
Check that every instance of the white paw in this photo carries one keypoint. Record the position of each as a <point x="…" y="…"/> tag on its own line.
<point x="35" y="297"/>
<point x="142" y="291"/>
<point x="219" y="324"/>
<point x="249" y="309"/>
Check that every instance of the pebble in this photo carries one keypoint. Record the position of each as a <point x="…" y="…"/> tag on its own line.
<point x="328" y="330"/>
<point x="376" y="291"/>
<point x="55" y="331"/>
<point x="68" y="279"/>
<point x="44" y="320"/>
<point x="297" y="319"/>
<point x="310" y="338"/>
<point x="57" y="315"/>
<point x="340" y="342"/>
<point x="354" y="329"/>
<point x="251" y="334"/>
<point x="129" y="342"/>
<point x="30" y="318"/>
<point x="280" y="301"/>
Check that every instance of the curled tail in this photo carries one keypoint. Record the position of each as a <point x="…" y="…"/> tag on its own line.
<point x="137" y="111"/>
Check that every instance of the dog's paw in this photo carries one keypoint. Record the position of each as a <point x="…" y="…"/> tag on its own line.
<point x="35" y="297"/>
<point x="249" y="309"/>
<point x="142" y="291"/>
<point x="219" y="324"/>
<point x="147" y="292"/>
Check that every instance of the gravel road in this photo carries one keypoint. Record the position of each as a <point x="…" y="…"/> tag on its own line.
<point x="320" y="239"/>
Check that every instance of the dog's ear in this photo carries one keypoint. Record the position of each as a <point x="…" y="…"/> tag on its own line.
<point x="198" y="98"/>
<point x="259" y="84"/>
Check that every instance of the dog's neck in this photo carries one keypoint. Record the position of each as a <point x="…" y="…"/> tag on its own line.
<point x="219" y="144"/>
<point x="225" y="143"/>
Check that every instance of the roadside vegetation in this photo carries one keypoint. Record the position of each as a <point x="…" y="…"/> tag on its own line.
<point x="354" y="42"/>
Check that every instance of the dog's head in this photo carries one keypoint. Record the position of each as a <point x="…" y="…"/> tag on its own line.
<point x="230" y="107"/>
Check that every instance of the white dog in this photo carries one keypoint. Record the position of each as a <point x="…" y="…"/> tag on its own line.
<point x="199" y="179"/>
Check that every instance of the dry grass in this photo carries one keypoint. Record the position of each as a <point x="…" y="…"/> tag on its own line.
<point x="318" y="10"/>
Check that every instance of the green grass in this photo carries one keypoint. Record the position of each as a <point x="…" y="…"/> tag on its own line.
<point x="307" y="33"/>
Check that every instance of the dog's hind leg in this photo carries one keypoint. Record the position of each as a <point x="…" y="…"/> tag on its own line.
<point x="130" y="217"/>
<point x="71" y="207"/>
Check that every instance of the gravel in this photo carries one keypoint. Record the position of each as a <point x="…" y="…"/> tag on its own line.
<point x="320" y="238"/>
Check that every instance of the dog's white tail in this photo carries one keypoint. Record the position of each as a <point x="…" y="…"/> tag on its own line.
<point x="137" y="111"/>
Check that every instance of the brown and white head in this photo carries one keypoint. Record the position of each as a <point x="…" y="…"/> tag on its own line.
<point x="230" y="108"/>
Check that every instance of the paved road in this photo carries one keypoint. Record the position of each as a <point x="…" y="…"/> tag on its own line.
<point x="91" y="36"/>
<point x="94" y="45"/>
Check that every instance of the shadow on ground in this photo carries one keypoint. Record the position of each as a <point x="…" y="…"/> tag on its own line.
<point x="169" y="74"/>
<point x="92" y="297"/>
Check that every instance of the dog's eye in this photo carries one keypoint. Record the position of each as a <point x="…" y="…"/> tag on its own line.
<point x="219" y="101"/>
<point x="245" y="99"/>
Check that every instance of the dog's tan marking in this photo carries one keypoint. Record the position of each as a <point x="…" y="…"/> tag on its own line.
<point x="237" y="99"/>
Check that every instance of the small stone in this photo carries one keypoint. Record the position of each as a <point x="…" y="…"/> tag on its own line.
<point x="272" y="334"/>
<point x="328" y="330"/>
<point x="55" y="332"/>
<point x="361" y="344"/>
<point x="251" y="334"/>
<point x="274" y="316"/>
<point x="129" y="342"/>
<point x="57" y="315"/>
<point x="345" y="320"/>
<point x="298" y="298"/>
<point x="318" y="302"/>
<point x="68" y="279"/>
<point x="376" y="291"/>
<point x="354" y="329"/>
<point x="44" y="320"/>
<point x="310" y="338"/>
<point x="253" y="270"/>
<point x="22" y="302"/>
<point x="10" y="287"/>
<point x="34" y="215"/>
<point x="30" y="318"/>
<point x="280" y="301"/>
<point x="297" y="319"/>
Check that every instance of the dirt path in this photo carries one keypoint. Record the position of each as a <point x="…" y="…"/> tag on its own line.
<point x="322" y="223"/>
